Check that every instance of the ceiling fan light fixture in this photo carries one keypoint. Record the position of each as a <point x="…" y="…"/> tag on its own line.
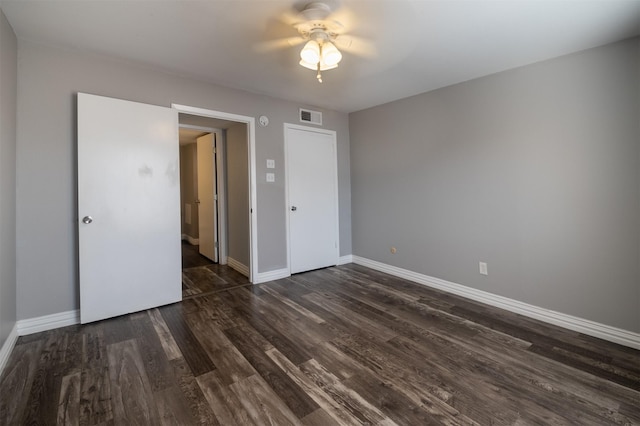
<point x="310" y="53"/>
<point x="320" y="55"/>
<point x="325" y="67"/>
<point x="309" y="65"/>
<point x="314" y="67"/>
<point x="331" y="56"/>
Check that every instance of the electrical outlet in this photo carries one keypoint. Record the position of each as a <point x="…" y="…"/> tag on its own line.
<point x="483" y="268"/>
<point x="271" y="177"/>
<point x="271" y="164"/>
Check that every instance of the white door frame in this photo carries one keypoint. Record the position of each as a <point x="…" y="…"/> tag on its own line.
<point x="251" y="160"/>
<point x="220" y="187"/>
<point x="331" y="133"/>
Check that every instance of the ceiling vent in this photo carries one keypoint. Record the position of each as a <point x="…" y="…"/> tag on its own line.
<point x="308" y="116"/>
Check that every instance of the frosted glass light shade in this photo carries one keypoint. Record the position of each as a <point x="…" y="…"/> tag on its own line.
<point x="330" y="54"/>
<point x="309" y="64"/>
<point x="323" y="66"/>
<point x="310" y="53"/>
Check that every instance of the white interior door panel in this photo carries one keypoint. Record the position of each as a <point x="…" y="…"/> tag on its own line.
<point x="313" y="198"/>
<point x="207" y="221"/>
<point x="128" y="207"/>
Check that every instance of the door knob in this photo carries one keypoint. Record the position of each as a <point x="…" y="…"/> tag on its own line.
<point x="294" y="208"/>
<point x="87" y="219"/>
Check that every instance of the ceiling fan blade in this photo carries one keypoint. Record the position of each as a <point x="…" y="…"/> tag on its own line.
<point x="278" y="44"/>
<point x="356" y="45"/>
<point x="289" y="17"/>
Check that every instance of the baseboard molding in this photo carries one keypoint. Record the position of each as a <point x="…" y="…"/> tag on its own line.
<point x="48" y="322"/>
<point x="240" y="267"/>
<point x="191" y="240"/>
<point x="581" y="325"/>
<point x="278" y="274"/>
<point x="7" y="347"/>
<point x="343" y="260"/>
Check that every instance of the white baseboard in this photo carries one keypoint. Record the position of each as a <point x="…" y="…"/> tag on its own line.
<point x="240" y="267"/>
<point x="278" y="274"/>
<point x="285" y="272"/>
<point x="581" y="325"/>
<point x="48" y="322"/>
<point x="7" y="347"/>
<point x="191" y="240"/>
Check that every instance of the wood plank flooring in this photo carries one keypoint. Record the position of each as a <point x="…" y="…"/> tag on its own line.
<point x="191" y="256"/>
<point x="338" y="346"/>
<point x="201" y="276"/>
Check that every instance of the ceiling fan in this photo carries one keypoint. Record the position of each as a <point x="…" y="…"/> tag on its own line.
<point x="323" y="36"/>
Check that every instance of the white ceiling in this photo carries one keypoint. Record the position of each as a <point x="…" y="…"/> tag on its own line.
<point x="421" y="45"/>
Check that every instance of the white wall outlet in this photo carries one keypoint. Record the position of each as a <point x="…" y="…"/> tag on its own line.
<point x="271" y="164"/>
<point x="483" y="268"/>
<point x="271" y="177"/>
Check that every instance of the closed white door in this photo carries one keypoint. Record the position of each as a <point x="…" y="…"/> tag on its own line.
<point x="312" y="197"/>
<point x="128" y="207"/>
<point x="207" y="220"/>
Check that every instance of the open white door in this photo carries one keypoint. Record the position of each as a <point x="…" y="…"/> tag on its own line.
<point x="207" y="212"/>
<point x="312" y="178"/>
<point x="128" y="207"/>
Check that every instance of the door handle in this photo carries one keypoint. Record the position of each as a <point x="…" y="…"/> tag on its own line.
<point x="87" y="220"/>
<point x="197" y="201"/>
<point x="294" y="208"/>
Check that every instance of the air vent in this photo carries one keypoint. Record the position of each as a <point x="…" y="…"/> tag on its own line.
<point x="308" y="116"/>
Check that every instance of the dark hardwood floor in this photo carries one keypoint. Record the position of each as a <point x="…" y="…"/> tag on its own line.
<point x="191" y="256"/>
<point x="201" y="276"/>
<point x="343" y="345"/>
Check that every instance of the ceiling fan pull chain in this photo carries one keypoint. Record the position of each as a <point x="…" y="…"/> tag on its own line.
<point x="319" y="76"/>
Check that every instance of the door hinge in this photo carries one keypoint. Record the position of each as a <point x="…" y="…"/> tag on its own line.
<point x="215" y="244"/>
<point x="215" y="151"/>
<point x="215" y="197"/>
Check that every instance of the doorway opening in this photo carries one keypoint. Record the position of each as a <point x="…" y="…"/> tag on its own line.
<point x="202" y="189"/>
<point x="218" y="191"/>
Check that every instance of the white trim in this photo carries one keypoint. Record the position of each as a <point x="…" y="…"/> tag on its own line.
<point x="581" y="325"/>
<point x="191" y="240"/>
<point x="221" y="206"/>
<point x="240" y="267"/>
<point x="48" y="322"/>
<point x="278" y="274"/>
<point x="343" y="260"/>
<point x="333" y="134"/>
<point x="194" y="127"/>
<point x="8" y="346"/>
<point x="252" y="270"/>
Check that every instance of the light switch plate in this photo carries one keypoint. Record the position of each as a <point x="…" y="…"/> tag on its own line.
<point x="483" y="268"/>
<point x="271" y="177"/>
<point x="271" y="164"/>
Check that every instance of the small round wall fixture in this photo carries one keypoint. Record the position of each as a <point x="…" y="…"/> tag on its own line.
<point x="264" y="120"/>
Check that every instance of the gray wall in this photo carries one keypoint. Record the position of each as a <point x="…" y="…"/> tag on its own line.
<point x="189" y="188"/>
<point x="49" y="80"/>
<point x="237" y="192"/>
<point x="8" y="85"/>
<point x="535" y="171"/>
